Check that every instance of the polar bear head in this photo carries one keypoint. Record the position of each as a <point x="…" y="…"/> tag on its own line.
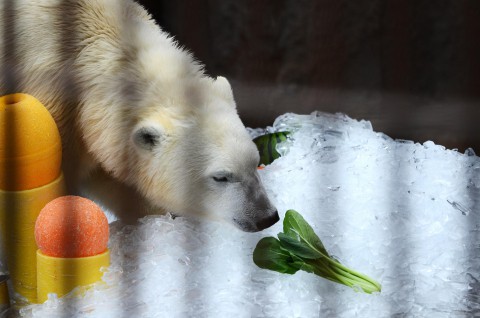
<point x="196" y="158"/>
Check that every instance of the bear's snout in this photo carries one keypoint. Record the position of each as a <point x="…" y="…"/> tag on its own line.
<point x="268" y="221"/>
<point x="252" y="226"/>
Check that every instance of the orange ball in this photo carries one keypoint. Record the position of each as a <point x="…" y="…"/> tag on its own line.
<point x="71" y="226"/>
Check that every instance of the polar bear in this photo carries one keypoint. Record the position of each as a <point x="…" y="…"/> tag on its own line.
<point x="144" y="130"/>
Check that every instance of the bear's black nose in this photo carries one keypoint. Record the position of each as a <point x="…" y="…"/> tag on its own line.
<point x="268" y="221"/>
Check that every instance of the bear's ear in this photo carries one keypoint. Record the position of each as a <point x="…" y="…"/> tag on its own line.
<point x="224" y="89"/>
<point x="147" y="137"/>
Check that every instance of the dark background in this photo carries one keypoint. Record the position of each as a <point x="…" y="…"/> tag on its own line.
<point x="410" y="67"/>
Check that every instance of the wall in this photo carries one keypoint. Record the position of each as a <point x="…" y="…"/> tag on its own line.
<point x="410" y="67"/>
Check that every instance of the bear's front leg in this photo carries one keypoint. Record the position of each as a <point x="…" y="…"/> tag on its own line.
<point x="122" y="200"/>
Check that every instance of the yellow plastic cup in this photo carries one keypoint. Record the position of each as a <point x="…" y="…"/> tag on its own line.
<point x="18" y="212"/>
<point x="61" y="275"/>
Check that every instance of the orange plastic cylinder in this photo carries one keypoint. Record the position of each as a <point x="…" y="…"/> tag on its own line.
<point x="30" y="177"/>
<point x="30" y="144"/>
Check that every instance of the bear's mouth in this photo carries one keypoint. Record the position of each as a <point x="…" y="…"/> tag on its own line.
<point x="245" y="225"/>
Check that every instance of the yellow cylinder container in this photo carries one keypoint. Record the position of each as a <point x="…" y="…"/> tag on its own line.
<point x="60" y="275"/>
<point x="30" y="177"/>
<point x="18" y="212"/>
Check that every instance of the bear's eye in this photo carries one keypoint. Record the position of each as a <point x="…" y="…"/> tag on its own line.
<point x="220" y="179"/>
<point x="147" y="138"/>
<point x="223" y="176"/>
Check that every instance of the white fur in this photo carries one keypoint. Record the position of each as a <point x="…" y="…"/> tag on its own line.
<point x="105" y="70"/>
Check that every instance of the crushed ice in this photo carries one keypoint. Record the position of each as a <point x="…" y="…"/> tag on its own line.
<point x="404" y="213"/>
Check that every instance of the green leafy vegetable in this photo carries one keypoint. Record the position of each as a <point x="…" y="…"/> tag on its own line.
<point x="295" y="226"/>
<point x="270" y="255"/>
<point x="267" y="146"/>
<point x="299" y="248"/>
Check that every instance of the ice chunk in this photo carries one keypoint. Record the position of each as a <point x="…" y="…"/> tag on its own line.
<point x="404" y="213"/>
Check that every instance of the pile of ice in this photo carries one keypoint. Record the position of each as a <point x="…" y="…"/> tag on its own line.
<point x="404" y="213"/>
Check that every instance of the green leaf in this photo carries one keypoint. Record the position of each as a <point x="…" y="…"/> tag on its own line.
<point x="301" y="265"/>
<point x="268" y="254"/>
<point x="299" y="248"/>
<point x="295" y="226"/>
<point x="300" y="239"/>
